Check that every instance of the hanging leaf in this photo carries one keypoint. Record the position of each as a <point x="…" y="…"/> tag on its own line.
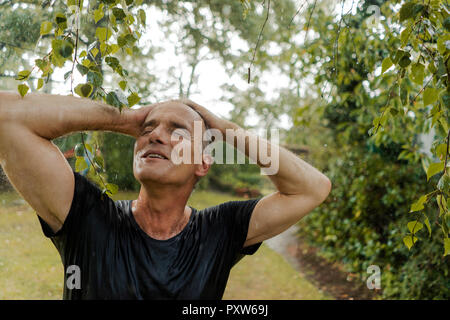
<point x="65" y="49"/>
<point x="113" y="100"/>
<point x="133" y="99"/>
<point x="80" y="164"/>
<point x="82" y="69"/>
<point x="417" y="72"/>
<point x="444" y="183"/>
<point x="410" y="240"/>
<point x="23" y="75"/>
<point x="386" y="64"/>
<point x="427" y="223"/>
<point x="446" y="246"/>
<point x="434" y="168"/>
<point x="430" y="95"/>
<point x="123" y="84"/>
<point x="95" y="78"/>
<point x="46" y="27"/>
<point x="414" y="226"/>
<point x="23" y="89"/>
<point x="112" y="188"/>
<point x="84" y="90"/>
<point x="40" y="84"/>
<point x="419" y="204"/>
<point x="406" y="11"/>
<point x="61" y="20"/>
<point x="98" y="14"/>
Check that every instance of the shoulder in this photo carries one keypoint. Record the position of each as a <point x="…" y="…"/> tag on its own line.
<point x="230" y="211"/>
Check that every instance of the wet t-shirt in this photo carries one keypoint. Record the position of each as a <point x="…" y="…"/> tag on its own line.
<point x="106" y="255"/>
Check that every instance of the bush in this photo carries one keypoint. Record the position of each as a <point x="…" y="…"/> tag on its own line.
<point x="364" y="220"/>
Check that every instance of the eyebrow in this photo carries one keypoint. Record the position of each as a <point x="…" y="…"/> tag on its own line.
<point x="172" y="124"/>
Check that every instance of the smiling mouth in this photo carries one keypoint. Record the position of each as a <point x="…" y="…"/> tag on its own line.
<point x="155" y="156"/>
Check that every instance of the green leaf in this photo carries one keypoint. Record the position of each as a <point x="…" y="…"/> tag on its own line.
<point x="112" y="62"/>
<point x="40" y="84"/>
<point x="419" y="204"/>
<point x="65" y="49"/>
<point x="80" y="164"/>
<point x="441" y="150"/>
<point x="123" y="84"/>
<point x="434" y="168"/>
<point x="84" y="90"/>
<point x="446" y="246"/>
<point x="46" y="27"/>
<point x="79" y="150"/>
<point x="67" y="74"/>
<point x="446" y="23"/>
<point x="142" y="17"/>
<point x="95" y="78"/>
<point x="404" y="36"/>
<point x="427" y="223"/>
<point x="113" y="100"/>
<point x="430" y="95"/>
<point x="418" y="71"/>
<point x="444" y="183"/>
<point x="441" y="204"/>
<point x="94" y="52"/>
<point x="23" y="75"/>
<point x="112" y="188"/>
<point x="82" y="69"/>
<point x="103" y="34"/>
<point x="133" y="99"/>
<point x="88" y="147"/>
<point x="404" y="62"/>
<point x="99" y="161"/>
<point x="409" y="241"/>
<point x="98" y="15"/>
<point x="386" y="64"/>
<point x="61" y="20"/>
<point x="23" y="89"/>
<point x="398" y="55"/>
<point x="118" y="13"/>
<point x="414" y="226"/>
<point x="406" y="11"/>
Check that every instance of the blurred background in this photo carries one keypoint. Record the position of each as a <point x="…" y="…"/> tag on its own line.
<point x="316" y="77"/>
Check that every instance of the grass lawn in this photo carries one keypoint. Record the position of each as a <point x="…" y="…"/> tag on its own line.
<point x="30" y="267"/>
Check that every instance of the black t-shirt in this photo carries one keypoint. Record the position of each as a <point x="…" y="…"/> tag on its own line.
<point x="116" y="259"/>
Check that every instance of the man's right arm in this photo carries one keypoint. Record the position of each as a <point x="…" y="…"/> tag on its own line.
<point x="33" y="164"/>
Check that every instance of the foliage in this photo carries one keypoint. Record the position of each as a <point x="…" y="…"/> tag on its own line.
<point x="383" y="209"/>
<point x="116" y="24"/>
<point x="362" y="224"/>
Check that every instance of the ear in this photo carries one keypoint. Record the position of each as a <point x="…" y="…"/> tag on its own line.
<point x="203" y="168"/>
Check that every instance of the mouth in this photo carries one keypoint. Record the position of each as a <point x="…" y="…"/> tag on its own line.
<point x="154" y="155"/>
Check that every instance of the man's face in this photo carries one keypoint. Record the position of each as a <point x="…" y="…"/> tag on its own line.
<point x="153" y="148"/>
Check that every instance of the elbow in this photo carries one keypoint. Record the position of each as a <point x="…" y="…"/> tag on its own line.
<point x="325" y="189"/>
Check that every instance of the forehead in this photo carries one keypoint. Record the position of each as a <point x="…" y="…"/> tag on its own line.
<point x="173" y="111"/>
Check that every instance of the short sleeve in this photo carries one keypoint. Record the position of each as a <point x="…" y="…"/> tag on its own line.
<point x="238" y="214"/>
<point x="87" y="199"/>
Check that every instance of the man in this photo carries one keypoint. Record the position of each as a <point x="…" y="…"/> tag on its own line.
<point x="154" y="247"/>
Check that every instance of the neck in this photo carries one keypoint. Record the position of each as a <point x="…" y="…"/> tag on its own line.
<point x="161" y="210"/>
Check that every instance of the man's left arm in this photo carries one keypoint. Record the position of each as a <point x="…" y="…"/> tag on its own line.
<point x="301" y="187"/>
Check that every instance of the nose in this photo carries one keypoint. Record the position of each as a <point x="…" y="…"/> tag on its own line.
<point x="158" y="135"/>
